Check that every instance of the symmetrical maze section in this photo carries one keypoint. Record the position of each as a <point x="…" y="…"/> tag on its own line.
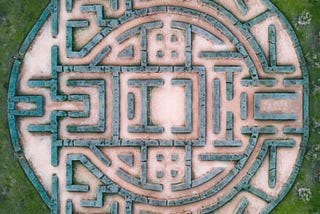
<point x="147" y="106"/>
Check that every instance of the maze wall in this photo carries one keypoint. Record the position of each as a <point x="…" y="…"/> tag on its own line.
<point x="149" y="106"/>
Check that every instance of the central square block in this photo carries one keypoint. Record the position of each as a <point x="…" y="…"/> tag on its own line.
<point x="162" y="106"/>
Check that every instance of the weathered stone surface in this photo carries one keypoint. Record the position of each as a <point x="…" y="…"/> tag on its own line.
<point x="133" y="106"/>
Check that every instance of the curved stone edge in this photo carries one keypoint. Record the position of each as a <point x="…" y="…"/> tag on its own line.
<point x="51" y="9"/>
<point x="303" y="147"/>
<point x="52" y="201"/>
<point x="305" y="139"/>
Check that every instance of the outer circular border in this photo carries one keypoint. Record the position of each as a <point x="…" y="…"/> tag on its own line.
<point x="50" y="10"/>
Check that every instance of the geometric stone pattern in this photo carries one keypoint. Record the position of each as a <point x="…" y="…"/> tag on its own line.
<point x="146" y="106"/>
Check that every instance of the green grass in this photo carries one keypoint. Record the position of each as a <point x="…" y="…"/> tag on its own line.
<point x="291" y="8"/>
<point x="308" y="38"/>
<point x="18" y="196"/>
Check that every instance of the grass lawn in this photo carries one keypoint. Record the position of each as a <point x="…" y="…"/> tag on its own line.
<point x="18" y="196"/>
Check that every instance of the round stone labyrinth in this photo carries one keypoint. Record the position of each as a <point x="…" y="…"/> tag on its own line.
<point x="149" y="106"/>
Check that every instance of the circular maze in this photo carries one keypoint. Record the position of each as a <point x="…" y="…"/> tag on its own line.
<point x="146" y="106"/>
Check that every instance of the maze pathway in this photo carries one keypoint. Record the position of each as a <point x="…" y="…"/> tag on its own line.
<point x="149" y="106"/>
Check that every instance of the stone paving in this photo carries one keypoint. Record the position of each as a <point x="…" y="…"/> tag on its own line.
<point x="149" y="106"/>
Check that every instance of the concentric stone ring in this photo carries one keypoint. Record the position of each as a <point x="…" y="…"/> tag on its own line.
<point x="148" y="106"/>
